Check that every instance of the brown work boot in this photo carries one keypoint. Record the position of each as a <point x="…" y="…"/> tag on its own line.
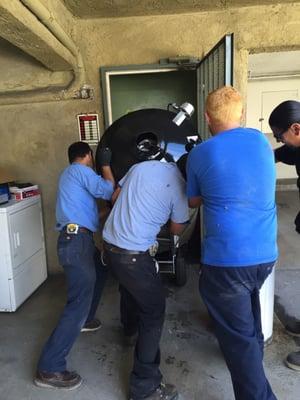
<point x="165" y="391"/>
<point x="58" y="380"/>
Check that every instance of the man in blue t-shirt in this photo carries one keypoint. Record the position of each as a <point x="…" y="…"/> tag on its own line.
<point x="150" y="194"/>
<point x="77" y="220"/>
<point x="233" y="175"/>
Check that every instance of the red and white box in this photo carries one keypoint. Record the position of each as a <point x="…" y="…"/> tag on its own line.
<point x="24" y="193"/>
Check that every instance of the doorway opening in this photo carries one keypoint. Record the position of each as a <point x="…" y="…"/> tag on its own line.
<point x="272" y="79"/>
<point x="134" y="87"/>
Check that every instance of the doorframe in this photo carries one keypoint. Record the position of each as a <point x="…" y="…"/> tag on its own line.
<point x="107" y="72"/>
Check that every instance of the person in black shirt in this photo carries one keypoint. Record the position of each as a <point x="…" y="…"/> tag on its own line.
<point x="285" y="124"/>
<point x="291" y="156"/>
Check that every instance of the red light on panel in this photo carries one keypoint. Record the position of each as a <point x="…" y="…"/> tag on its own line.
<point x="88" y="126"/>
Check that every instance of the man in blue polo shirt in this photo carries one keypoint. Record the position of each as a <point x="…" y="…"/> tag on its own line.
<point x="77" y="220"/>
<point x="233" y="175"/>
<point x="149" y="195"/>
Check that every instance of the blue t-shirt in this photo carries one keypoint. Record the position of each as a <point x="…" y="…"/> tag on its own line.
<point x="234" y="174"/>
<point x="152" y="193"/>
<point x="78" y="187"/>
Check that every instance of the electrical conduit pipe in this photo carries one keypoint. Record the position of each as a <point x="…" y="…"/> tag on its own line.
<point x="45" y="16"/>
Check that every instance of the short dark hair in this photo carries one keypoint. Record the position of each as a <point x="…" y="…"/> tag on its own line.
<point x="285" y="114"/>
<point x="78" y="150"/>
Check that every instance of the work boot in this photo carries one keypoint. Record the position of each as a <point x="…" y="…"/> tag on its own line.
<point x="91" y="326"/>
<point x="165" y="391"/>
<point x="293" y="360"/>
<point x="293" y="328"/>
<point x="58" y="380"/>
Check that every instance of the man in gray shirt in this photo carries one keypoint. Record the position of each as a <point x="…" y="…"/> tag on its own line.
<point x="150" y="194"/>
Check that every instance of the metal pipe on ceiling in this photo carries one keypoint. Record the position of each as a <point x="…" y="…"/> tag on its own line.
<point x="73" y="90"/>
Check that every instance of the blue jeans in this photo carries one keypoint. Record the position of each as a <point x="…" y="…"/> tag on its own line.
<point x="231" y="295"/>
<point x="85" y="277"/>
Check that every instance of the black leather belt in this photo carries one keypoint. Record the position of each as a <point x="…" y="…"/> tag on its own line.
<point x="119" y="250"/>
<point x="74" y="229"/>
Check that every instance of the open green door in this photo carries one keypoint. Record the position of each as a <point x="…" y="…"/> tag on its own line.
<point x="214" y="70"/>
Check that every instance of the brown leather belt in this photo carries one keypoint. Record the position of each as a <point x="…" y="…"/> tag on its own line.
<point x="119" y="250"/>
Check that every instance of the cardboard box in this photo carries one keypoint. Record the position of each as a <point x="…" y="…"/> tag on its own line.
<point x="24" y="193"/>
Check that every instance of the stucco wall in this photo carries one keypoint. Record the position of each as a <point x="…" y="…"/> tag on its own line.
<point x="34" y="137"/>
<point x="146" y="39"/>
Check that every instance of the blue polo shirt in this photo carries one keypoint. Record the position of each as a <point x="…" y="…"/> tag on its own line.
<point x="78" y="188"/>
<point x="152" y="193"/>
<point x="234" y="174"/>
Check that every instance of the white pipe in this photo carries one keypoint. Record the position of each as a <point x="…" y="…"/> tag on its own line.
<point x="44" y="15"/>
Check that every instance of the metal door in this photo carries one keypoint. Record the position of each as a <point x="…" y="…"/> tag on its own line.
<point x="214" y="70"/>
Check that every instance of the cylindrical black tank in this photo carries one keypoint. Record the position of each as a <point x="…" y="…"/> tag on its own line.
<point x="145" y="134"/>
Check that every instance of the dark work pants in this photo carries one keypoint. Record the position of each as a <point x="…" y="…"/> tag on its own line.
<point x="143" y="299"/>
<point x="297" y="219"/>
<point x="85" y="277"/>
<point x="129" y="312"/>
<point x="231" y="295"/>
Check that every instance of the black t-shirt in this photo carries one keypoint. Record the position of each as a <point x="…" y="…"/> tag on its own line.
<point x="291" y="156"/>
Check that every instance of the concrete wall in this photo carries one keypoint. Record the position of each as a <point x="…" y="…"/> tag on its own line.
<point x="146" y="39"/>
<point x="34" y="137"/>
<point x="21" y="73"/>
<point x="33" y="144"/>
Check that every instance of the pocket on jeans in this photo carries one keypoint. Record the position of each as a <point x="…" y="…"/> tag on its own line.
<point x="63" y="248"/>
<point x="69" y="248"/>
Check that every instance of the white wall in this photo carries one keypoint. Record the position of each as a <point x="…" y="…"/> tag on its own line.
<point x="262" y="97"/>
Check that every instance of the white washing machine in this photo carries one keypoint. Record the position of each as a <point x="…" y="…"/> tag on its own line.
<point x="22" y="251"/>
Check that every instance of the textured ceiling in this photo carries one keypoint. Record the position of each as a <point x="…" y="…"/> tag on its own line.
<point x="126" y="8"/>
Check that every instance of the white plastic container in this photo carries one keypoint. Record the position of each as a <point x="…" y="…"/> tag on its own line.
<point x="267" y="306"/>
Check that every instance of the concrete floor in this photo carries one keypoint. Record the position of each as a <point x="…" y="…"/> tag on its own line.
<point x="190" y="354"/>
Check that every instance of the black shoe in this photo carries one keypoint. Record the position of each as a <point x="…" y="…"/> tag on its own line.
<point x="293" y="361"/>
<point x="165" y="391"/>
<point x="58" y="380"/>
<point x="293" y="328"/>
<point x="91" y="326"/>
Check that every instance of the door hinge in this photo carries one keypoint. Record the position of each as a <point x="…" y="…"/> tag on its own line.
<point x="183" y="62"/>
